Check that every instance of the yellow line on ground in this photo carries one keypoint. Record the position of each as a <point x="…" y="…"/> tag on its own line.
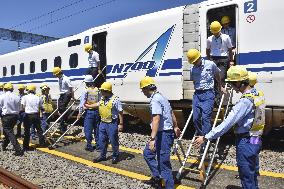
<point x="225" y="167"/>
<point x="100" y="166"/>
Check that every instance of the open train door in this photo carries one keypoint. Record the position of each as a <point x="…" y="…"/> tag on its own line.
<point x="99" y="45"/>
<point x="214" y="11"/>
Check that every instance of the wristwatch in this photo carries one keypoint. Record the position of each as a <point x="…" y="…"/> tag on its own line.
<point x="152" y="139"/>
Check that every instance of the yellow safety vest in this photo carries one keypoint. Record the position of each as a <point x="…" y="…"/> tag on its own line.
<point x="259" y="113"/>
<point x="47" y="104"/>
<point x="105" y="109"/>
<point x="92" y="95"/>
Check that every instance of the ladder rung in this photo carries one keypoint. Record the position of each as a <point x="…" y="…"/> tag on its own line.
<point x="197" y="171"/>
<point x="218" y="120"/>
<point x="194" y="155"/>
<point x="216" y="109"/>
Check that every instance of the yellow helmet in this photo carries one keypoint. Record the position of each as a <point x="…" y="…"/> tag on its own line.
<point x="56" y="70"/>
<point x="146" y="81"/>
<point x="88" y="47"/>
<point x="252" y="78"/>
<point x="21" y="86"/>
<point x="193" y="55"/>
<point x="1" y="85"/>
<point x="43" y="85"/>
<point x="31" y="87"/>
<point x="237" y="73"/>
<point x="8" y="86"/>
<point x="215" y="27"/>
<point x="106" y="86"/>
<point x="225" y="20"/>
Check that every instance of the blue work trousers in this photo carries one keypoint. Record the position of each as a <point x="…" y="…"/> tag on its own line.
<point x="43" y="120"/>
<point x="91" y="122"/>
<point x="248" y="162"/>
<point x="203" y="104"/>
<point x="162" y="166"/>
<point x="108" y="131"/>
<point x="19" y="123"/>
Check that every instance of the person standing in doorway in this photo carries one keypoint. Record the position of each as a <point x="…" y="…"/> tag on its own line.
<point x="94" y="61"/>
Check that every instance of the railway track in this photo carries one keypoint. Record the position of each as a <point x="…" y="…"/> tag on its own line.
<point x="11" y="180"/>
<point x="132" y="168"/>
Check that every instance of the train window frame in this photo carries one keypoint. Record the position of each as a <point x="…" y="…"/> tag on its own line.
<point x="74" y="42"/>
<point x="43" y="65"/>
<point x="13" y="69"/>
<point x="22" y="68"/>
<point x="4" y="71"/>
<point x="32" y="67"/>
<point x="73" y="60"/>
<point x="56" y="61"/>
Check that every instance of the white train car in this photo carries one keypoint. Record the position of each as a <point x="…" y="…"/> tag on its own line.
<point x="155" y="45"/>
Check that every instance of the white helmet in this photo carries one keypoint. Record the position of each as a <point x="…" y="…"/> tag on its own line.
<point x="89" y="79"/>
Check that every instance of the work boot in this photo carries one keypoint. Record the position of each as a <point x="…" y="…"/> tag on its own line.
<point x="19" y="153"/>
<point x="4" y="147"/>
<point x="115" y="160"/>
<point x="154" y="181"/>
<point x="89" y="148"/>
<point x="28" y="149"/>
<point x="97" y="160"/>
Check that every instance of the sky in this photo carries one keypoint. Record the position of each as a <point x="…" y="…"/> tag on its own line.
<point x="62" y="18"/>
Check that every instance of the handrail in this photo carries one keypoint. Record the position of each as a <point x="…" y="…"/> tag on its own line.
<point x="214" y="125"/>
<point x="69" y="107"/>
<point x="72" y="125"/>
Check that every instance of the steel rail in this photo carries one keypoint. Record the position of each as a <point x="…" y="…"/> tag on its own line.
<point x="10" y="179"/>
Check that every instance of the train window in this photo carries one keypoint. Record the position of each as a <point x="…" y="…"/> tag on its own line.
<point x="4" y="71"/>
<point x="57" y="61"/>
<point x="13" y="70"/>
<point x="74" y="42"/>
<point x="44" y="65"/>
<point x="73" y="60"/>
<point x="32" y="67"/>
<point x="22" y="68"/>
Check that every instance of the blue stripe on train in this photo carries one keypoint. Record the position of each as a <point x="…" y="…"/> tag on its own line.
<point x="43" y="76"/>
<point x="172" y="64"/>
<point x="274" y="56"/>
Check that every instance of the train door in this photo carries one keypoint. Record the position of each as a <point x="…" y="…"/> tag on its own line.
<point x="99" y="45"/>
<point x="227" y="14"/>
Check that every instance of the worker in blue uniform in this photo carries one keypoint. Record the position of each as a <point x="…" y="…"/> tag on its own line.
<point x="248" y="117"/>
<point x="111" y="113"/>
<point x="164" y="127"/>
<point x="91" y="121"/>
<point x="203" y="74"/>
